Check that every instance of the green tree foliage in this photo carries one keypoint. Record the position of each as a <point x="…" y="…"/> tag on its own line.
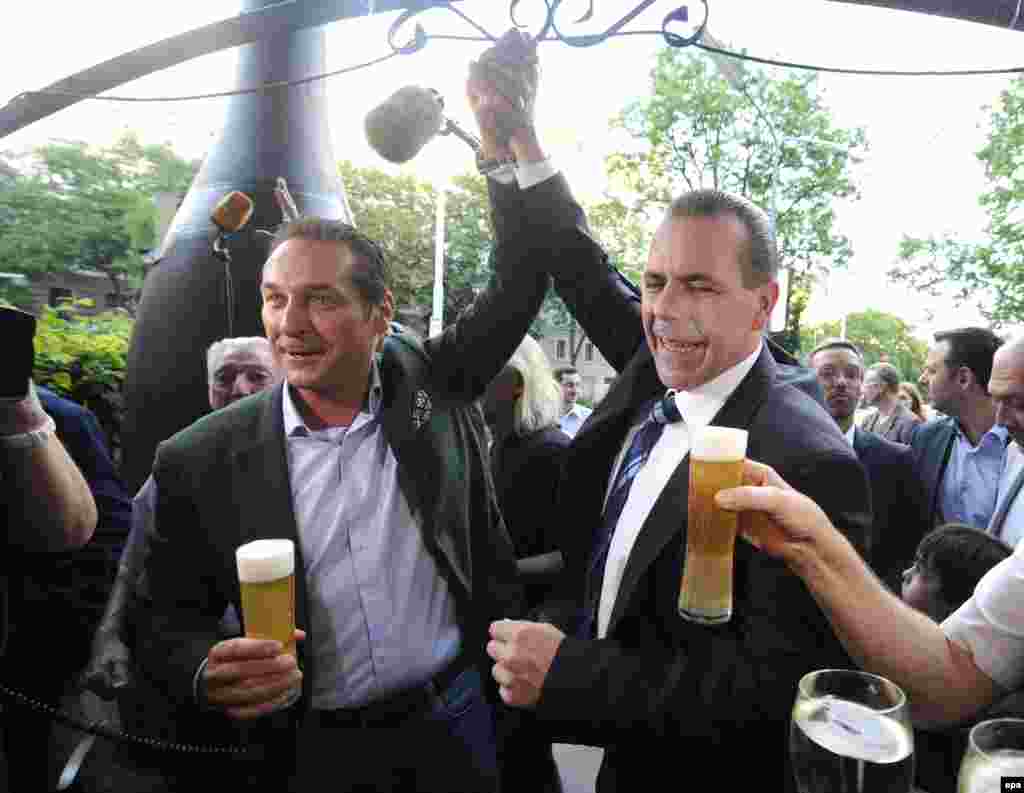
<point x="986" y="273"/>
<point x="81" y="208"/>
<point x="399" y="212"/>
<point x="880" y="336"/>
<point x="699" y="131"/>
<point x="621" y="229"/>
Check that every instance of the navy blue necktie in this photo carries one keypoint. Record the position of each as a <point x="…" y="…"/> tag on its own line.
<point x="658" y="412"/>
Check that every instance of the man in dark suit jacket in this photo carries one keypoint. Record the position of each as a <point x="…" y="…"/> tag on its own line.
<point x="896" y="499"/>
<point x="231" y="478"/>
<point x="959" y="457"/>
<point x="667" y="697"/>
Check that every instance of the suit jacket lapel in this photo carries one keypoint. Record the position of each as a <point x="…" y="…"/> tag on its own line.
<point x="668" y="516"/>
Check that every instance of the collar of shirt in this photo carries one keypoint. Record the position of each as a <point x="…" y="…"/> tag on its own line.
<point x="575" y="410"/>
<point x="849" y="433"/>
<point x="700" y="405"/>
<point x="997" y="432"/>
<point x="295" y="427"/>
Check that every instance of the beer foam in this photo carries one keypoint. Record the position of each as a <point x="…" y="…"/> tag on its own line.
<point x="719" y="444"/>
<point x="265" y="560"/>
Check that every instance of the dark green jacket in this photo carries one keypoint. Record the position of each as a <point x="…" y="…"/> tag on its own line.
<point x="224" y="481"/>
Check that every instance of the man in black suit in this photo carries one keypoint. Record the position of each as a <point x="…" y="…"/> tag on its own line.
<point x="620" y="668"/>
<point x="896" y="499"/>
<point x="959" y="457"/>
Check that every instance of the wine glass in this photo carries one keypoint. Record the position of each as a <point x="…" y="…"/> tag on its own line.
<point x="995" y="749"/>
<point x="850" y="733"/>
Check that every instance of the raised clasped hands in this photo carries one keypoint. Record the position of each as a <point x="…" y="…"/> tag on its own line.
<point x="501" y="89"/>
<point x="248" y="678"/>
<point x="522" y="653"/>
<point x="773" y="516"/>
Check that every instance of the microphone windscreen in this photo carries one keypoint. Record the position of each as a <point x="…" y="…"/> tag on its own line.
<point x="404" y="123"/>
<point x="232" y="212"/>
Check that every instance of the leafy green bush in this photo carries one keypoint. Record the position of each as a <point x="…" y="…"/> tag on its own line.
<point x="83" y="357"/>
<point x="76" y="352"/>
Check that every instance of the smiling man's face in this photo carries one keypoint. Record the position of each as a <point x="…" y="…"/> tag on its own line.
<point x="699" y="315"/>
<point x="322" y="333"/>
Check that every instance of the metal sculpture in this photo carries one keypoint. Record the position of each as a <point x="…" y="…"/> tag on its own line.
<point x="281" y="132"/>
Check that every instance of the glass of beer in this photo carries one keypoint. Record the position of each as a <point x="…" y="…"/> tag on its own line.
<point x="995" y="750"/>
<point x="716" y="463"/>
<point x="850" y="732"/>
<point x="266" y="575"/>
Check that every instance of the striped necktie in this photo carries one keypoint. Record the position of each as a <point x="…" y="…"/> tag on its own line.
<point x="658" y="413"/>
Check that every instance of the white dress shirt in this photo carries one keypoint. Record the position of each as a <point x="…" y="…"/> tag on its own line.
<point x="991" y="623"/>
<point x="381" y="615"/>
<point x="698" y="407"/>
<point x="571" y="422"/>
<point x="1012" y="529"/>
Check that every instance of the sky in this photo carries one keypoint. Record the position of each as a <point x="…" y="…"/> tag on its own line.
<point x="920" y="174"/>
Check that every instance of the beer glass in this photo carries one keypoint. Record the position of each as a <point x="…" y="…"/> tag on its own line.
<point x="850" y="732"/>
<point x="716" y="463"/>
<point x="266" y="575"/>
<point x="995" y="749"/>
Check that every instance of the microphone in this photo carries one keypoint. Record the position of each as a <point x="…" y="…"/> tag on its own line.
<point x="232" y="212"/>
<point x="408" y="120"/>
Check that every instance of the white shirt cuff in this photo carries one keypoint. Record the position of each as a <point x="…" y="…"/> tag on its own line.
<point x="529" y="174"/>
<point x="526" y="175"/>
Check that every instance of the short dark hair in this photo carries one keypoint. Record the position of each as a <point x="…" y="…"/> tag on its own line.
<point x="369" y="270"/>
<point x="835" y="344"/>
<point x="563" y="370"/>
<point x="959" y="555"/>
<point x="971" y="347"/>
<point x="888" y="374"/>
<point x="759" y="258"/>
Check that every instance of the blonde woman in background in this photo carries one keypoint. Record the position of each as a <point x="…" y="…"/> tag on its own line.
<point x="522" y="405"/>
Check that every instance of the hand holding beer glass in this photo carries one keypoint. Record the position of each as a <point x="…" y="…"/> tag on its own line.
<point x="258" y="674"/>
<point x="716" y="463"/>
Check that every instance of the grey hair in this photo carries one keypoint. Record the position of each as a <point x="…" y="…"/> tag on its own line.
<point x="759" y="257"/>
<point x="219" y="350"/>
<point x="540" y="404"/>
<point x="888" y="374"/>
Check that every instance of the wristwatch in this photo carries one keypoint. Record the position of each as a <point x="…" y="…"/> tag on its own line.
<point x="31" y="439"/>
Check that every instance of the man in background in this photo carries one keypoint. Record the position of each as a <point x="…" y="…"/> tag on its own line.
<point x="1007" y="389"/>
<point x="897" y="503"/>
<point x="891" y="419"/>
<point x="237" y="368"/>
<point x="573" y="413"/>
<point x="959" y="458"/>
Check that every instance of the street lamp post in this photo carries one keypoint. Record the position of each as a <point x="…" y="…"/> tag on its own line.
<point x="437" y="312"/>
